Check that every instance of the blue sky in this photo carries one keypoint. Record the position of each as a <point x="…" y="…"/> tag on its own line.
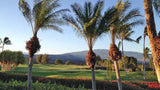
<point x="14" y="26"/>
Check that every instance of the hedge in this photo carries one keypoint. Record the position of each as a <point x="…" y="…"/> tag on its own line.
<point x="86" y="83"/>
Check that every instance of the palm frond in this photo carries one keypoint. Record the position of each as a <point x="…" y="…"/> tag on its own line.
<point x="119" y="44"/>
<point x="134" y="13"/>
<point x="6" y="41"/>
<point x="139" y="38"/>
<point x="135" y="23"/>
<point x="128" y="34"/>
<point x="129" y="39"/>
<point x="73" y="23"/>
<point x="156" y="4"/>
<point x="26" y="11"/>
<point x="77" y="9"/>
<point x="52" y="27"/>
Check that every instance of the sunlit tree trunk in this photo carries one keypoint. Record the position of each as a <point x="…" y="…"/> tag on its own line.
<point x="124" y="61"/>
<point x="118" y="75"/>
<point x="144" y="62"/>
<point x="2" y="47"/>
<point x="116" y="62"/>
<point x="30" y="64"/>
<point x="93" y="80"/>
<point x="151" y="34"/>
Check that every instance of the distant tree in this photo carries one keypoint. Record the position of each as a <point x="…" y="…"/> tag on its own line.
<point x="39" y="58"/>
<point x="9" y="60"/>
<point x="98" y="58"/>
<point x="151" y="63"/>
<point x="45" y="59"/>
<point x="131" y="63"/>
<point x="57" y="62"/>
<point x="109" y="64"/>
<point x="5" y="41"/>
<point x="69" y="63"/>
<point x="145" y="56"/>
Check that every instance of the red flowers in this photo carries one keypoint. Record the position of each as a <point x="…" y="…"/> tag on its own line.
<point x="153" y="85"/>
<point x="41" y="79"/>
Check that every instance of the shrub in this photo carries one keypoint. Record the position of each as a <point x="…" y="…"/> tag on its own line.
<point x="69" y="63"/>
<point x="74" y="83"/>
<point x="57" y="62"/>
<point x="9" y="59"/>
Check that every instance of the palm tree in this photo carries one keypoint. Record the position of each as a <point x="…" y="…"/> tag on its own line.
<point x="90" y="25"/>
<point x="145" y="52"/>
<point x="154" y="39"/>
<point x="5" y="41"/>
<point x="42" y="16"/>
<point x="125" y="35"/>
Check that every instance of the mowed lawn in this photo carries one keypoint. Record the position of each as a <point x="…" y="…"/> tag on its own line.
<point x="81" y="72"/>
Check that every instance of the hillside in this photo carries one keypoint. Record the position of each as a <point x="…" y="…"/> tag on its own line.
<point x="79" y="57"/>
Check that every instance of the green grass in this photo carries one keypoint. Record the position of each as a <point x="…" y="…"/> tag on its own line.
<point x="74" y="71"/>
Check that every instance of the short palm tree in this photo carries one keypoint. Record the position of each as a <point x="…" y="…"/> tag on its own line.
<point x="125" y="34"/>
<point x="6" y="41"/>
<point x="121" y="28"/>
<point x="42" y="16"/>
<point x="145" y="52"/>
<point x="90" y="25"/>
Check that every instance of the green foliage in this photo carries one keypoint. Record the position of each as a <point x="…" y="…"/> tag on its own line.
<point x="131" y="63"/>
<point x="43" y="15"/>
<point x="151" y="63"/>
<point x="39" y="58"/>
<point x="69" y="63"/>
<point x="146" y="53"/>
<point x="10" y="59"/>
<point x="98" y="58"/>
<point x="18" y="85"/>
<point x="89" y="23"/>
<point x="45" y="59"/>
<point x="18" y="82"/>
<point x="42" y="58"/>
<point x="57" y="62"/>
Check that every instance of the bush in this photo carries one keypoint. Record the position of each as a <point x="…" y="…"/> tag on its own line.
<point x="73" y="83"/>
<point x="42" y="58"/>
<point x="9" y="60"/>
<point x="69" y="63"/>
<point x="18" y="85"/>
<point x="57" y="62"/>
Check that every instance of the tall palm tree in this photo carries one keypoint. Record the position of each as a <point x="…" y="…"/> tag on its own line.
<point x="42" y="16"/>
<point x="145" y="52"/>
<point x="154" y="39"/>
<point x="90" y="24"/>
<point x="6" y="41"/>
<point x="115" y="55"/>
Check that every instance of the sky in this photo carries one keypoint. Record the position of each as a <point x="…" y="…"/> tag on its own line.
<point x="14" y="26"/>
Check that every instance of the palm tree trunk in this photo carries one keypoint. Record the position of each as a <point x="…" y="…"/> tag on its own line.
<point x="93" y="80"/>
<point x="124" y="62"/>
<point x="144" y="77"/>
<point x="151" y="34"/>
<point x="116" y="62"/>
<point x="30" y="64"/>
<point x="118" y="75"/>
<point x="2" y="47"/>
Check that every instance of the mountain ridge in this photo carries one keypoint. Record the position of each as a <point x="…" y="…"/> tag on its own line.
<point x="79" y="56"/>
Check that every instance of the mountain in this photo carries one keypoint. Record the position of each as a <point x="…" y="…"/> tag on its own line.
<point x="79" y="57"/>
